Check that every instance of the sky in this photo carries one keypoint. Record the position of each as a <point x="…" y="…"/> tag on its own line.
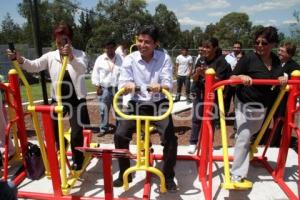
<point x="191" y="13"/>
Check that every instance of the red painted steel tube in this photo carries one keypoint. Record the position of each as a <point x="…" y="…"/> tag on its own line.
<point x="267" y="145"/>
<point x="51" y="151"/>
<point x="286" y="134"/>
<point x="108" y="187"/>
<point x="205" y="135"/>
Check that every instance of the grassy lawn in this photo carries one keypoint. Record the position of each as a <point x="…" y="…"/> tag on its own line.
<point x="37" y="90"/>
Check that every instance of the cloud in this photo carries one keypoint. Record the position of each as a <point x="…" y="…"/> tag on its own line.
<point x="269" y="22"/>
<point x="217" y="14"/>
<point x="270" y="5"/>
<point x="207" y="4"/>
<point x="152" y="1"/>
<point x="290" y="21"/>
<point x="192" y="22"/>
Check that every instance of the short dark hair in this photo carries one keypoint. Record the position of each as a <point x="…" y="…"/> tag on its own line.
<point x="290" y="48"/>
<point x="269" y="32"/>
<point x="63" y="29"/>
<point x="238" y="42"/>
<point x="150" y="30"/>
<point x="213" y="41"/>
<point x="110" y="42"/>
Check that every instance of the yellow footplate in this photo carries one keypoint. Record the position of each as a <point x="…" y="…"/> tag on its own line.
<point x="243" y="185"/>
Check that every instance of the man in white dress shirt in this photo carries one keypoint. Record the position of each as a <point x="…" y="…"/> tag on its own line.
<point x="105" y="77"/>
<point x="152" y="68"/>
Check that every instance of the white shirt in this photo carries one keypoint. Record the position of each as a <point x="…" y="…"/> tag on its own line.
<point x="158" y="70"/>
<point x="53" y="63"/>
<point x="184" y="63"/>
<point x="120" y="51"/>
<point x="106" y="71"/>
<point x="231" y="59"/>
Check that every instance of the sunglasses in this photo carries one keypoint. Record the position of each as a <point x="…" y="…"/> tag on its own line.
<point x="263" y="43"/>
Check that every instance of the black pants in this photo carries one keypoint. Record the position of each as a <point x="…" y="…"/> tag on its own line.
<point x="165" y="128"/>
<point x="186" y="81"/>
<point x="78" y="119"/>
<point x="196" y="119"/>
<point x="229" y="93"/>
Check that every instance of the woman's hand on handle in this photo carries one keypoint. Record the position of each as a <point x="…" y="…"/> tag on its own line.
<point x="247" y="80"/>
<point x="14" y="55"/>
<point x="283" y="80"/>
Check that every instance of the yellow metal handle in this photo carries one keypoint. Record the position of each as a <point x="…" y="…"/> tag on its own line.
<point x="263" y="129"/>
<point x="59" y="110"/>
<point x="134" y="117"/>
<point x="227" y="181"/>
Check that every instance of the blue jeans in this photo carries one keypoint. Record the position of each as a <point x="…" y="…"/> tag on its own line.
<point x="8" y="190"/>
<point x="106" y="100"/>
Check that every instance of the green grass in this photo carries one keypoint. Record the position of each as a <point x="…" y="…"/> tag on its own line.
<point x="37" y="90"/>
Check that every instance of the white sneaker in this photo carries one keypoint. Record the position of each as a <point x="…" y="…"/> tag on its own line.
<point x="192" y="148"/>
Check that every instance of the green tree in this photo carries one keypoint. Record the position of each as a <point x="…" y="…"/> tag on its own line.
<point x="10" y="31"/>
<point x="168" y="25"/>
<point x="198" y="36"/>
<point x="50" y="14"/>
<point x="84" y="30"/>
<point x="119" y="20"/>
<point x="233" y="26"/>
<point x="210" y="30"/>
<point x="295" y="28"/>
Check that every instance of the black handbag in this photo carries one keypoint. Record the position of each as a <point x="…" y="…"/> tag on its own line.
<point x="35" y="166"/>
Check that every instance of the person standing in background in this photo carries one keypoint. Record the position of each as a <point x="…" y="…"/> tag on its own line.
<point x="285" y="53"/>
<point x="105" y="77"/>
<point x="184" y="64"/>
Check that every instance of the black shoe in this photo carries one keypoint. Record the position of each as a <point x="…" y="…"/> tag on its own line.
<point x="188" y="100"/>
<point x="76" y="167"/>
<point x="171" y="185"/>
<point x="95" y="130"/>
<point x="119" y="182"/>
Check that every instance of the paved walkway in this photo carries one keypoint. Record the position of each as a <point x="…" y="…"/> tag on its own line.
<point x="264" y="188"/>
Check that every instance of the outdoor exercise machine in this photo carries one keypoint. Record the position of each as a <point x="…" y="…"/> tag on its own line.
<point x="205" y="146"/>
<point x="32" y="113"/>
<point x="143" y="142"/>
<point x="16" y="118"/>
<point x="62" y="183"/>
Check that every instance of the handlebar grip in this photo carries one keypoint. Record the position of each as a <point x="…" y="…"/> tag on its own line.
<point x="149" y="89"/>
<point x="137" y="88"/>
<point x="11" y="47"/>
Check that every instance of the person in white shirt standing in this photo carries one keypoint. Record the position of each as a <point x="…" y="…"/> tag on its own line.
<point x="105" y="76"/>
<point x="184" y="64"/>
<point x="229" y="91"/>
<point x="73" y="90"/>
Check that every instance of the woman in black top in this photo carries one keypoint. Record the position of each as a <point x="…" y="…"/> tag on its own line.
<point x="213" y="58"/>
<point x="253" y="101"/>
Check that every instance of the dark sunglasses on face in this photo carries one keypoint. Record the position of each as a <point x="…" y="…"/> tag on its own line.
<point x="263" y="43"/>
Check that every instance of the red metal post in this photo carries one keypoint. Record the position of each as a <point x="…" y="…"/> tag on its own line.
<point x="46" y="111"/>
<point x="108" y="188"/>
<point x="287" y="131"/>
<point x="205" y="151"/>
<point x="17" y="102"/>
